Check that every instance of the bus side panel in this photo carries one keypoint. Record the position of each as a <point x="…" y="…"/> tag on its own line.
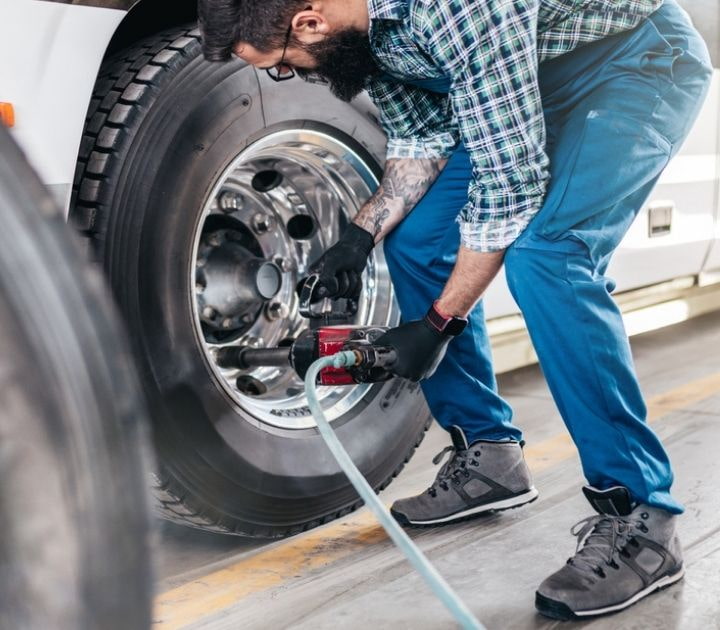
<point x="50" y="54"/>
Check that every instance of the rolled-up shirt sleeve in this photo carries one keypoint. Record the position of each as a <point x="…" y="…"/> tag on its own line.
<point x="418" y="123"/>
<point x="488" y="49"/>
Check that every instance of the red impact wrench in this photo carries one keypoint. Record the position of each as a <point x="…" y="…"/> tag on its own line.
<point x="322" y="340"/>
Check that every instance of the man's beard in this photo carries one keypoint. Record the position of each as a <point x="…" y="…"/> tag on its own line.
<point x="345" y="61"/>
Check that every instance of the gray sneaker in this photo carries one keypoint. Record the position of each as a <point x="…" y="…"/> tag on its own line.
<point x="478" y="478"/>
<point x="624" y="553"/>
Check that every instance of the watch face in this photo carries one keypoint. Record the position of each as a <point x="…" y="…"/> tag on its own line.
<point x="448" y="326"/>
<point x="452" y="326"/>
<point x="456" y="326"/>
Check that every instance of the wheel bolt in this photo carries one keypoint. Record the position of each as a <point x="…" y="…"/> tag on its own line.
<point x="231" y="202"/>
<point x="276" y="311"/>
<point x="285" y="264"/>
<point x="262" y="223"/>
<point x="228" y="323"/>
<point x="214" y="239"/>
<point x="253" y="342"/>
<point x="209" y="312"/>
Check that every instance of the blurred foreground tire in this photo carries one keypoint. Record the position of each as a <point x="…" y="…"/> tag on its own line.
<point x="74" y="515"/>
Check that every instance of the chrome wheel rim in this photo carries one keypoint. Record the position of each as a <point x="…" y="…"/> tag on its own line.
<point x="271" y="213"/>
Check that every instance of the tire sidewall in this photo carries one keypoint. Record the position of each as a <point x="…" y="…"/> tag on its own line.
<point x="179" y="153"/>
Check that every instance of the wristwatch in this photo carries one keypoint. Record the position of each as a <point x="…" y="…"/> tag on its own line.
<point x="445" y="324"/>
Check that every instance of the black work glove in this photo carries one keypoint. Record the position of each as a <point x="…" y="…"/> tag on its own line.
<point x="419" y="346"/>
<point x="340" y="268"/>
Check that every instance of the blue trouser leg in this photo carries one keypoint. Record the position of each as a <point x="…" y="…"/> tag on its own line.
<point x="607" y="152"/>
<point x="421" y="254"/>
<point x="616" y="111"/>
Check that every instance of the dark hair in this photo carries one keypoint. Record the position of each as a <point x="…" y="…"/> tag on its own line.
<point x="261" y="23"/>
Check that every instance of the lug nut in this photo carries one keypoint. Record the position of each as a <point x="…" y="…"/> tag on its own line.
<point x="276" y="311"/>
<point x="285" y="264"/>
<point x="228" y="323"/>
<point x="262" y="223"/>
<point x="253" y="342"/>
<point x="209" y="312"/>
<point x="230" y="202"/>
<point x="213" y="240"/>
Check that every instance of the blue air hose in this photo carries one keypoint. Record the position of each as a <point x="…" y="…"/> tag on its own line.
<point x="440" y="587"/>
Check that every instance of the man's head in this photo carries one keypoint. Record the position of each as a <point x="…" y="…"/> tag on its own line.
<point x="328" y="38"/>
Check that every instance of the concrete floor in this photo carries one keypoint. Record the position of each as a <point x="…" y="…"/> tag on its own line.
<point x="348" y="575"/>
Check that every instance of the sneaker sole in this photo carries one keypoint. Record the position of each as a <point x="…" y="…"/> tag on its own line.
<point x="558" y="610"/>
<point x="487" y="508"/>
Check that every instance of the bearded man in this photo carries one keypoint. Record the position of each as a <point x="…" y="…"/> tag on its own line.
<point x="527" y="133"/>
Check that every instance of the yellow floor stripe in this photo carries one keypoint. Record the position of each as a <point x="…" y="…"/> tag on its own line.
<point x="221" y="589"/>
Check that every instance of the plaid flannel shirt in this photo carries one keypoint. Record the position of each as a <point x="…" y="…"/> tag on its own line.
<point x="489" y="49"/>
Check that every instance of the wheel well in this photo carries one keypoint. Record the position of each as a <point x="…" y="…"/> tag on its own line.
<point x="151" y="16"/>
<point x="144" y="19"/>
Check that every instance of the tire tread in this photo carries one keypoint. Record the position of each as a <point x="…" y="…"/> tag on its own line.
<point x="127" y="83"/>
<point x="168" y="497"/>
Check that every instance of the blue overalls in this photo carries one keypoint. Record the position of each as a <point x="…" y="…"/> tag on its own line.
<point x="616" y="111"/>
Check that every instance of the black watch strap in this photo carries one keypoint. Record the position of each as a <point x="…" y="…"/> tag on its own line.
<point x="452" y="326"/>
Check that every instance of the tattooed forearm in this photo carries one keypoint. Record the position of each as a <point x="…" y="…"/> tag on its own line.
<point x="404" y="184"/>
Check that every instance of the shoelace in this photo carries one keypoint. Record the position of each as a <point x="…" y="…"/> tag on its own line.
<point x="455" y="466"/>
<point x="602" y="539"/>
